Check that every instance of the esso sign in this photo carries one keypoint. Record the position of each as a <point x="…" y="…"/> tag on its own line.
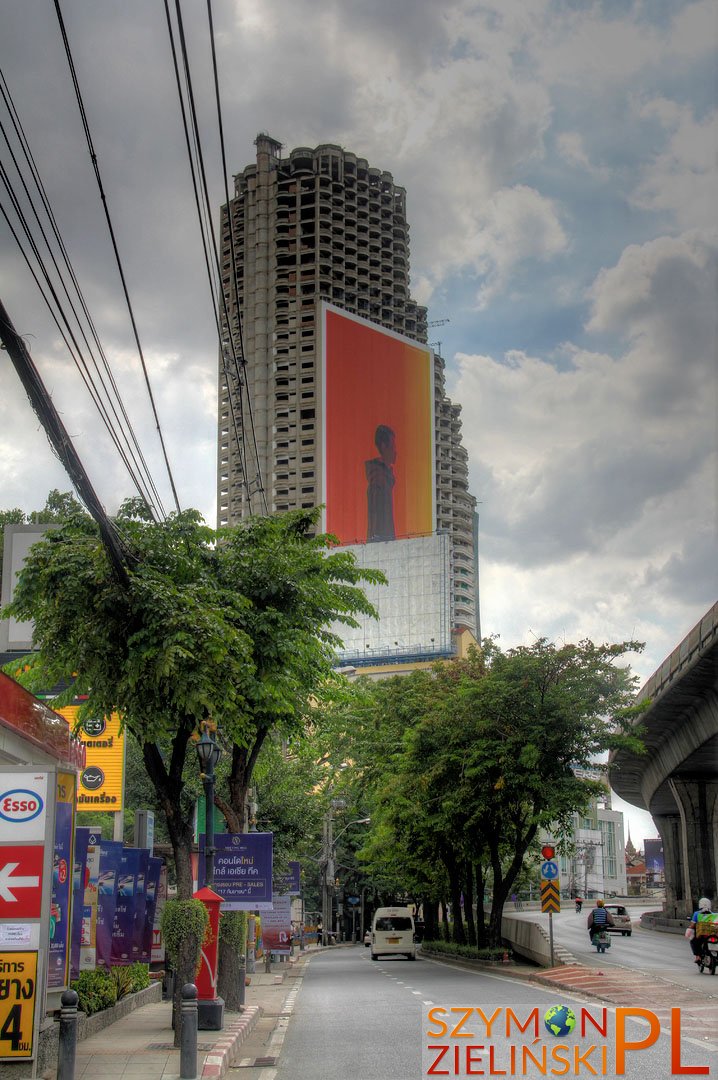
<point x="20" y="805"/>
<point x="23" y="807"/>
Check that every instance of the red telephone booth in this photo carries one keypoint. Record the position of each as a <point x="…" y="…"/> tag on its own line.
<point x="210" y="1007"/>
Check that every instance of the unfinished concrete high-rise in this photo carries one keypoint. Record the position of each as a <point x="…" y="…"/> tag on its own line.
<point x="306" y="226"/>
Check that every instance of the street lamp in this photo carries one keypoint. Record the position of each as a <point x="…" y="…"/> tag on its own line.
<point x="328" y="882"/>
<point x="208" y="754"/>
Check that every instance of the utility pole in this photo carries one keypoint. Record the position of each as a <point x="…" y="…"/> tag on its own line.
<point x="56" y="432"/>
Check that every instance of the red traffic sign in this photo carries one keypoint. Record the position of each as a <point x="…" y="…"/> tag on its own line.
<point x="21" y="881"/>
<point x="548" y="851"/>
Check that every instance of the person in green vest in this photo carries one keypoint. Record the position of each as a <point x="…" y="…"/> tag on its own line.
<point x="704" y="914"/>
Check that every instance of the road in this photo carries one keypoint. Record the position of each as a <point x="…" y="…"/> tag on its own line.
<point x="667" y="955"/>
<point x="349" y="1017"/>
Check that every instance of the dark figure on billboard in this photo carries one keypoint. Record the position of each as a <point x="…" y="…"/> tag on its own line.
<point x="380" y="487"/>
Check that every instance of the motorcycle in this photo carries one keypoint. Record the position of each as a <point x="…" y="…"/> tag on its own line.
<point x="579" y="905"/>
<point x="709" y="953"/>
<point x="602" y="940"/>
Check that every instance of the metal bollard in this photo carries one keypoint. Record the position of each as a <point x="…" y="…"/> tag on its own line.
<point x="188" y="1035"/>
<point x="68" y="1036"/>
<point x="242" y="980"/>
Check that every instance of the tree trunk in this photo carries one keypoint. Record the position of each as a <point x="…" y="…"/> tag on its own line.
<point x="431" y="920"/>
<point x="480" y="908"/>
<point x="445" y="921"/>
<point x="185" y="973"/>
<point x="232" y="951"/>
<point x="447" y="857"/>
<point x="469" y="903"/>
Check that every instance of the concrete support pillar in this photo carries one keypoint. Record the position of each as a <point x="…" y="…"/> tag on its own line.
<point x="670" y="828"/>
<point x="698" y="802"/>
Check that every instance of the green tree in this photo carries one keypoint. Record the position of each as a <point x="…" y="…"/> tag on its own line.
<point x="475" y="757"/>
<point x="192" y="637"/>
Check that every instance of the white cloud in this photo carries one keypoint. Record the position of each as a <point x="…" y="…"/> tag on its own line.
<point x="571" y="147"/>
<point x="683" y="178"/>
<point x="596" y="472"/>
<point x="516" y="225"/>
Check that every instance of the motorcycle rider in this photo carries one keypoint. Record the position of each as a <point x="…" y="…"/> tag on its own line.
<point x="598" y="919"/>
<point x="703" y="914"/>
<point x="579" y="904"/>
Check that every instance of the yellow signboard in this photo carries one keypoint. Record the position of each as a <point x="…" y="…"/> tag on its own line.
<point x="18" y="991"/>
<point x="100" y="785"/>
<point x="550" y="896"/>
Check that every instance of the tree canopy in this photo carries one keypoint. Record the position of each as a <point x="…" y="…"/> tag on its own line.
<point x="230" y="627"/>
<point x="462" y="766"/>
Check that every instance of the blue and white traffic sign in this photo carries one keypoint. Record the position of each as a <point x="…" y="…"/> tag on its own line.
<point x="549" y="870"/>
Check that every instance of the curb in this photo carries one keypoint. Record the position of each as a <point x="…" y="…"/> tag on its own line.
<point x="225" y="1050"/>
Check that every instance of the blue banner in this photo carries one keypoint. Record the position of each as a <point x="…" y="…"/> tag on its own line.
<point x="79" y="881"/>
<point x="110" y="855"/>
<point x="242" y="870"/>
<point x="289" y="882"/>
<point x="152" y="886"/>
<point x="140" y="903"/>
<point x="123" y="924"/>
<point x="58" y="964"/>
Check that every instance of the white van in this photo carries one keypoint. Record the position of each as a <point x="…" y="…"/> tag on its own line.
<point x="392" y="932"/>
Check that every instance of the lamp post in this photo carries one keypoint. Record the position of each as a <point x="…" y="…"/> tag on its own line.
<point x="329" y="845"/>
<point x="208" y="754"/>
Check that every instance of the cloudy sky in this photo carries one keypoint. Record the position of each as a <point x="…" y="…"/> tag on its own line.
<point x="559" y="158"/>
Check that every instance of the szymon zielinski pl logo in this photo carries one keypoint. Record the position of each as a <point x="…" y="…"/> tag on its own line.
<point x="533" y="1041"/>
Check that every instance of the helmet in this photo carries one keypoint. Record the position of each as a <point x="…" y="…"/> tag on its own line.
<point x="704" y="904"/>
<point x="599" y="903"/>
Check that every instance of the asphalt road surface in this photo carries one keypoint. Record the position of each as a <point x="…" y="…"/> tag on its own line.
<point x="353" y="1018"/>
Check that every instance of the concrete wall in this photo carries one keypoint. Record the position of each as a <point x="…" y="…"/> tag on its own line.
<point x="531" y="940"/>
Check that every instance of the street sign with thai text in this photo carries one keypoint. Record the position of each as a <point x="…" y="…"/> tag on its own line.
<point x="18" y="975"/>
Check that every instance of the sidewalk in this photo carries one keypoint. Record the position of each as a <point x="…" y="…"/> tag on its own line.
<point x="139" y="1047"/>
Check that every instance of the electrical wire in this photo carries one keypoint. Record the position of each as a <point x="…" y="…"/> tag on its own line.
<point x="93" y="157"/>
<point x="233" y="264"/>
<point x="120" y="431"/>
<point x="204" y="232"/>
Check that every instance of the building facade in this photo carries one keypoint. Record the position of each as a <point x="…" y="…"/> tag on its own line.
<point x="304" y="227"/>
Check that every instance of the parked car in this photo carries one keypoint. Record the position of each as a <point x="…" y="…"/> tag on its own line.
<point x="621" y="919"/>
<point x="367" y="938"/>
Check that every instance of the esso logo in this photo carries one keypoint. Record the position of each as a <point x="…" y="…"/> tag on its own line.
<point x="20" y="805"/>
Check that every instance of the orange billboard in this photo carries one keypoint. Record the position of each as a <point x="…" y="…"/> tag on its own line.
<point x="378" y="431"/>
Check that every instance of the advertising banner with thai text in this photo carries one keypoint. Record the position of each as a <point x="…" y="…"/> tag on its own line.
<point x="242" y="870"/>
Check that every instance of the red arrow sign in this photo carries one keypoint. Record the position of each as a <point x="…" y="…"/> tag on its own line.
<point x="21" y="881"/>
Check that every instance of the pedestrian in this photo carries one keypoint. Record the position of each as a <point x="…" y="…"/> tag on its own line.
<point x="598" y="919"/>
<point x="704" y="914"/>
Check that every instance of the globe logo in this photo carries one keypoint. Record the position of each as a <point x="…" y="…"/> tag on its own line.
<point x="560" y="1021"/>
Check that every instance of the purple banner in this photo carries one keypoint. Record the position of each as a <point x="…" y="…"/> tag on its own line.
<point x="123" y="923"/>
<point x="62" y="877"/>
<point x="79" y="881"/>
<point x="289" y="882"/>
<point x="242" y="870"/>
<point x="152" y="887"/>
<point x="110" y="855"/>
<point x="140" y="903"/>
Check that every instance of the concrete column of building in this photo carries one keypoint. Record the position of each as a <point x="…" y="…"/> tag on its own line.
<point x="670" y="829"/>
<point x="698" y="800"/>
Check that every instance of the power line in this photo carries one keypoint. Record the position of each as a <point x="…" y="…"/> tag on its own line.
<point x="93" y="157"/>
<point x="202" y="214"/>
<point x="233" y="265"/>
<point x="95" y="384"/>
